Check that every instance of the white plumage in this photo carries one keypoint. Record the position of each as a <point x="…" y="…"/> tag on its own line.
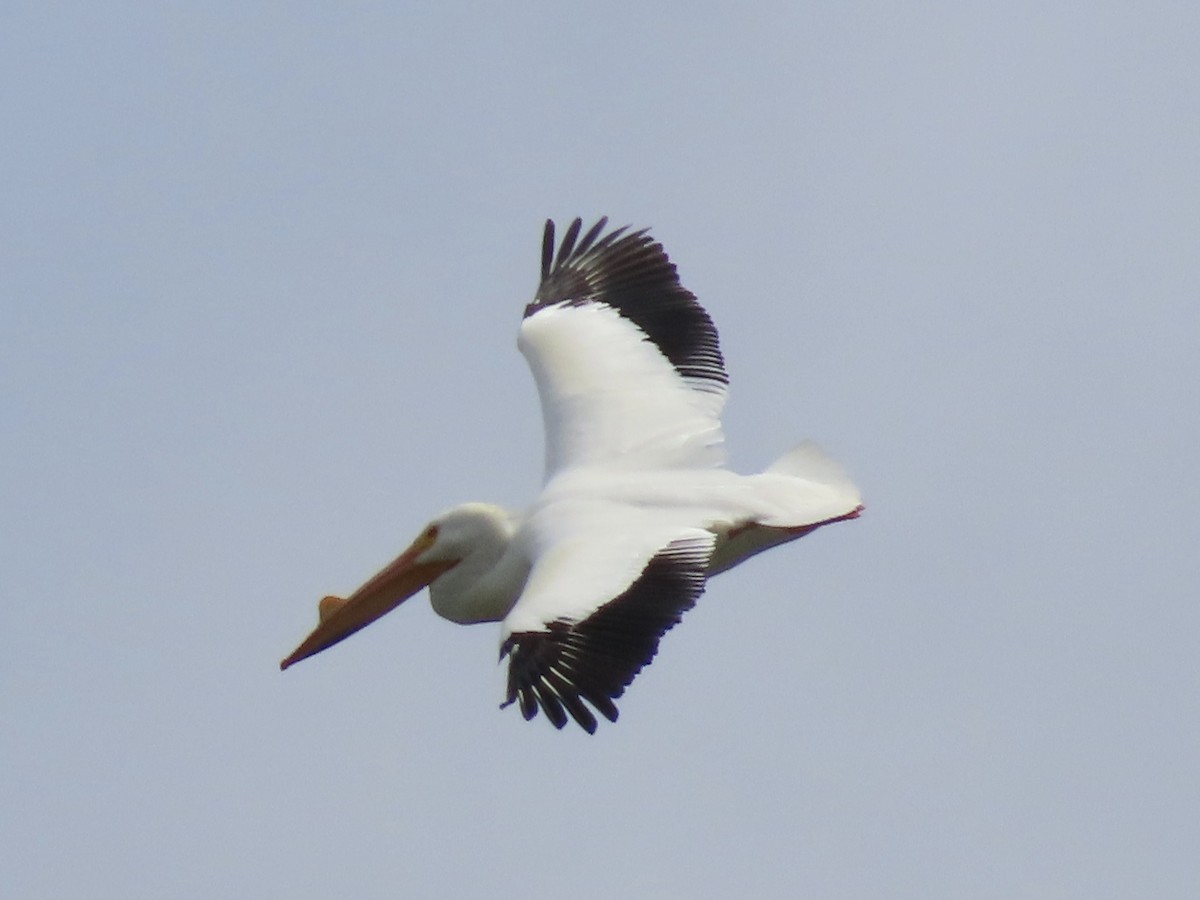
<point x="637" y="509"/>
<point x="609" y="397"/>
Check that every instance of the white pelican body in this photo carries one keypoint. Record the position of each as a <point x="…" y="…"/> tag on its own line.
<point x="637" y="509"/>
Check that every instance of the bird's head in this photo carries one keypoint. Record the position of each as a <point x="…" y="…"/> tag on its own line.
<point x="473" y="535"/>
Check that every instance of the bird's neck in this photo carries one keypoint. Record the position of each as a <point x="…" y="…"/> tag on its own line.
<point x="485" y="585"/>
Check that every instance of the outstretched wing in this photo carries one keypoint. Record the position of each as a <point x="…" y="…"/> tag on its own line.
<point x="627" y="363"/>
<point x="591" y="617"/>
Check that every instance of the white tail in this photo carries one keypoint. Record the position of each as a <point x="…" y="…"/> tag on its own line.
<point x="810" y="490"/>
<point x="808" y="461"/>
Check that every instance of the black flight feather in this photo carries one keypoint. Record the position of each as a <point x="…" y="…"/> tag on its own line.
<point x="595" y="659"/>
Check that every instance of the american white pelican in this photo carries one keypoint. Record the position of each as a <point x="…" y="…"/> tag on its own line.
<point x="637" y="510"/>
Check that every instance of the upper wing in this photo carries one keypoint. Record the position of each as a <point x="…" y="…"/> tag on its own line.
<point x="627" y="363"/>
<point x="592" y="613"/>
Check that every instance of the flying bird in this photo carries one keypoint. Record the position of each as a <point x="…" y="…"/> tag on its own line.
<point x="637" y="509"/>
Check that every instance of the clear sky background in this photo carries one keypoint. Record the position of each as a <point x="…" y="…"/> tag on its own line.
<point x="261" y="270"/>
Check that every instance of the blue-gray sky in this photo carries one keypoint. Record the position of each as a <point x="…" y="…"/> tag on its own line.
<point x="261" y="270"/>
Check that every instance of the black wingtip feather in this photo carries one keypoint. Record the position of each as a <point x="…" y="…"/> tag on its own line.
<point x="576" y="707"/>
<point x="592" y="234"/>
<point x="549" y="702"/>
<point x="547" y="248"/>
<point x="568" y="242"/>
